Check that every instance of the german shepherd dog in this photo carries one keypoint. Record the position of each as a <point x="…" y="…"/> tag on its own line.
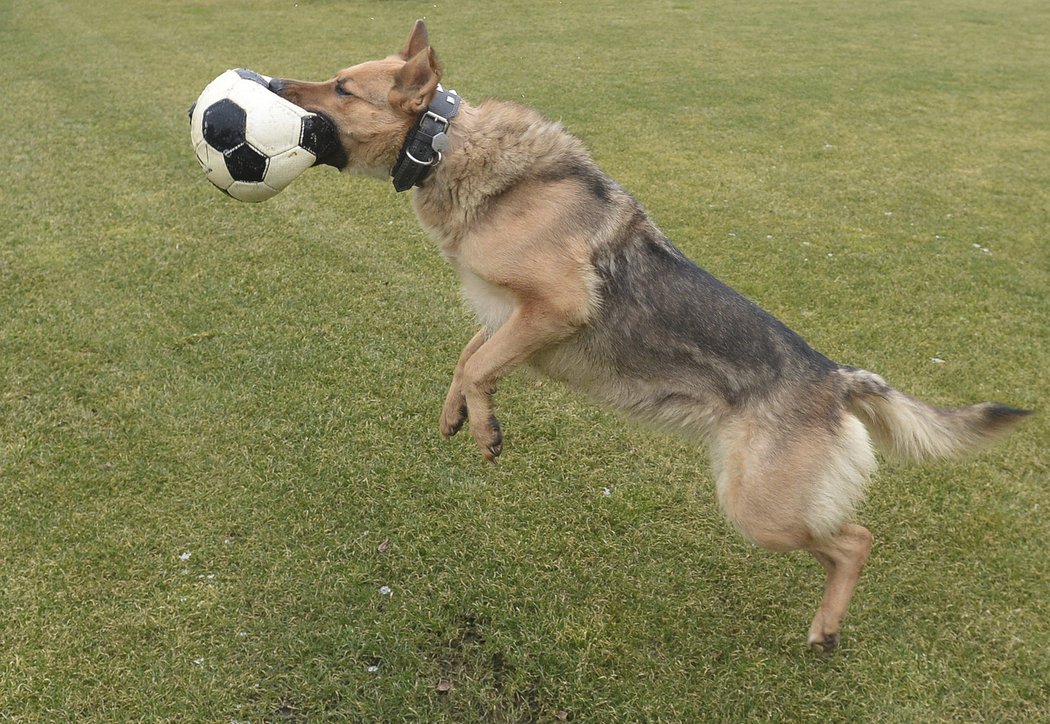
<point x="569" y="275"/>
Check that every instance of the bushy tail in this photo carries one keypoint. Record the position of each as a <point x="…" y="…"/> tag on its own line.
<point x="910" y="429"/>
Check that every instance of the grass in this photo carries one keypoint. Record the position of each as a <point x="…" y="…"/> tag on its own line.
<point x="218" y="421"/>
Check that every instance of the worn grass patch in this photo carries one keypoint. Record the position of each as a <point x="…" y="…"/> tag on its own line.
<point x="223" y="492"/>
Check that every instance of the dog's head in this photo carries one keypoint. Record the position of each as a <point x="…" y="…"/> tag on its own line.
<point x="372" y="105"/>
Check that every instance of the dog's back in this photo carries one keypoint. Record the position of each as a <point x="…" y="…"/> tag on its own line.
<point x="679" y="347"/>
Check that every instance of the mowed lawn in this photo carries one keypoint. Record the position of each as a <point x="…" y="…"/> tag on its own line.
<point x="223" y="495"/>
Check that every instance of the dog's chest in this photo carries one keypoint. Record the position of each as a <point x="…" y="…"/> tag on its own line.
<point x="492" y="304"/>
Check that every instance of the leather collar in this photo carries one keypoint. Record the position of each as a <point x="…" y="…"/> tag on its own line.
<point x="423" y="145"/>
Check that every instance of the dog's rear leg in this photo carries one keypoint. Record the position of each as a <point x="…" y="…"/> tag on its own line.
<point x="787" y="489"/>
<point x="454" y="412"/>
<point x="843" y="556"/>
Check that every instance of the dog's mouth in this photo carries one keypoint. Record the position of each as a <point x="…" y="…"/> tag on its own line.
<point x="325" y="139"/>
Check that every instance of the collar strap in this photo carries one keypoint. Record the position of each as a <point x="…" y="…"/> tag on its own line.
<point x="423" y="145"/>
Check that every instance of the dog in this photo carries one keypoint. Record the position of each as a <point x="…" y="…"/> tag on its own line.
<point x="569" y="276"/>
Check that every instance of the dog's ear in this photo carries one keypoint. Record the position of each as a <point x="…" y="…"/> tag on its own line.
<point x="416" y="82"/>
<point x="417" y="40"/>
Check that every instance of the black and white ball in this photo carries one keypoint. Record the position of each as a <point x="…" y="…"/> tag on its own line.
<point x="250" y="142"/>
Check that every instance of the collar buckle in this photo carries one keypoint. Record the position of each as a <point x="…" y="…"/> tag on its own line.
<point x="440" y="119"/>
<point x="426" y="141"/>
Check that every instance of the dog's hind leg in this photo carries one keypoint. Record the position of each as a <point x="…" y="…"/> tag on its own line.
<point x="795" y="488"/>
<point x="843" y="556"/>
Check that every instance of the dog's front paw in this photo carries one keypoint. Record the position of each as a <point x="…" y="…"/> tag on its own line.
<point x="489" y="438"/>
<point x="454" y="412"/>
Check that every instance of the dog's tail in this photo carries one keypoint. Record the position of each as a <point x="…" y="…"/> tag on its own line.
<point x="909" y="429"/>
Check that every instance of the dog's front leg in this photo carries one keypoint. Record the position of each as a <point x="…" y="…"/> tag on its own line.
<point x="529" y="329"/>
<point x="454" y="413"/>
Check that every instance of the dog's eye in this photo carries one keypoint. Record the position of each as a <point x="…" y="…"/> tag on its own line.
<point x="340" y="90"/>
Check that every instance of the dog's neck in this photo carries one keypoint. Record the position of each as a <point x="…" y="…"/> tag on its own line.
<point x="425" y="142"/>
<point x="493" y="148"/>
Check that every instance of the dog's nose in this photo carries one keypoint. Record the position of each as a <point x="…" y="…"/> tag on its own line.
<point x="276" y="85"/>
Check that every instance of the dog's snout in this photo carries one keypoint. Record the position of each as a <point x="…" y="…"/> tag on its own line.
<point x="276" y="85"/>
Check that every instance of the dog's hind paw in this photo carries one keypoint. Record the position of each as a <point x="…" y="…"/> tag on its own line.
<point x="824" y="645"/>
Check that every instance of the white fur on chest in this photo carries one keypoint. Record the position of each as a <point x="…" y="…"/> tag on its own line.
<point x="492" y="304"/>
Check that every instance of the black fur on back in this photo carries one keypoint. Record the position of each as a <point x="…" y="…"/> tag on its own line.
<point x="663" y="317"/>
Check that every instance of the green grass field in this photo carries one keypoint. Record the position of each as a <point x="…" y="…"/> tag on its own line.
<point x="218" y="421"/>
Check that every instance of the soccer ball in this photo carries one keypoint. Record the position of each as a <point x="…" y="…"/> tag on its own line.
<point x="250" y="142"/>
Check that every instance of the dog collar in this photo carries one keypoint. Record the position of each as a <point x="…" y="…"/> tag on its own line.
<point x="423" y="145"/>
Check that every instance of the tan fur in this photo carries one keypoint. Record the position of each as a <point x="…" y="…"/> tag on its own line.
<point x="552" y="256"/>
<point x="910" y="429"/>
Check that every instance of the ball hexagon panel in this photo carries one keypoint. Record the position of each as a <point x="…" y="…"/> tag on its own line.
<point x="288" y="166"/>
<point x="251" y="95"/>
<point x="253" y="192"/>
<point x="274" y="127"/>
<point x="273" y="124"/>
<point x="223" y="124"/>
